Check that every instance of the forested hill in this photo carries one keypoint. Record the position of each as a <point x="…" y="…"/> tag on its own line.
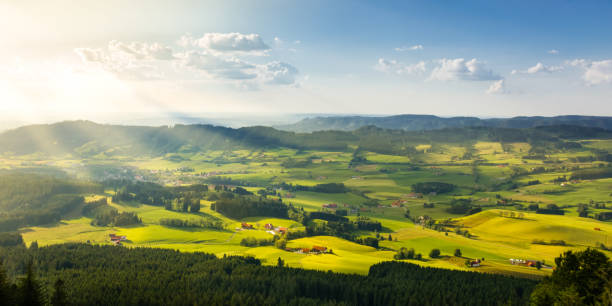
<point x="88" y="139"/>
<point x="429" y="122"/>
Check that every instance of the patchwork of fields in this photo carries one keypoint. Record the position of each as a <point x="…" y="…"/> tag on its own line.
<point x="494" y="177"/>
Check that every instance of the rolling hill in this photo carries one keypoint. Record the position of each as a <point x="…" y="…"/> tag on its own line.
<point x="87" y="139"/>
<point x="430" y="122"/>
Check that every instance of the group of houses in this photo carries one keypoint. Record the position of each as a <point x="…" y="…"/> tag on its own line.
<point x="314" y="250"/>
<point x="563" y="184"/>
<point x="523" y="262"/>
<point x="270" y="228"/>
<point x="330" y="205"/>
<point x="116" y="240"/>
<point x="474" y="263"/>
<point x="414" y="195"/>
<point x="275" y="230"/>
<point x="398" y="203"/>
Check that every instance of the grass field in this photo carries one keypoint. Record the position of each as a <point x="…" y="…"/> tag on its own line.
<point x="483" y="176"/>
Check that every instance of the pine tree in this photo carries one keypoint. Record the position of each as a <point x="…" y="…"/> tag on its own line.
<point x="6" y="294"/>
<point x="59" y="294"/>
<point x="31" y="291"/>
<point x="195" y="206"/>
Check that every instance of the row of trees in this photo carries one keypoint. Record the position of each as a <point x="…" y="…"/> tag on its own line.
<point x="248" y="206"/>
<point x="208" y="222"/>
<point x="106" y="215"/>
<point x="429" y="187"/>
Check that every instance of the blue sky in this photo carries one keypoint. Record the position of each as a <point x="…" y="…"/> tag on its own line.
<point x="477" y="58"/>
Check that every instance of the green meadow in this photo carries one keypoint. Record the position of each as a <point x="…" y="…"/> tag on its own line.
<point x="381" y="187"/>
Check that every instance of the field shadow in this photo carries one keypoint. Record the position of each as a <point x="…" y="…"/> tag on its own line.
<point x="206" y="215"/>
<point x="132" y="204"/>
<point x="385" y="229"/>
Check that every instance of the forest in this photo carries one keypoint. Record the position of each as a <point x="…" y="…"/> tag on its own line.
<point x="106" y="275"/>
<point x="29" y="199"/>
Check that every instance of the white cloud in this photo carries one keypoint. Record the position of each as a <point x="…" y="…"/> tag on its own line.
<point x="279" y="73"/>
<point x="393" y="66"/>
<point x="598" y="72"/>
<point x="579" y="62"/>
<point x="187" y="41"/>
<point x="227" y="42"/>
<point x="412" y="48"/>
<point x="141" y="51"/>
<point x="497" y="87"/>
<point x="137" y="60"/>
<point x="461" y="69"/>
<point x="594" y="72"/>
<point x="91" y="55"/>
<point x="128" y="60"/>
<point x="539" y="67"/>
<point x="553" y="52"/>
<point x="157" y="51"/>
<point x="215" y="66"/>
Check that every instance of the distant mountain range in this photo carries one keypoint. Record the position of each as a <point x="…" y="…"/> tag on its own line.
<point x="430" y="122"/>
<point x="88" y="139"/>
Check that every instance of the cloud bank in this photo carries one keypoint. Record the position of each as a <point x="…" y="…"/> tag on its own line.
<point x="214" y="56"/>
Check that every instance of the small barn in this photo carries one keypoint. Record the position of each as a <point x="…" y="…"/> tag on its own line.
<point x="319" y="249"/>
<point x="246" y="225"/>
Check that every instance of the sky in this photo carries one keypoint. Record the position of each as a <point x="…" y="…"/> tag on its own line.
<point x="86" y="59"/>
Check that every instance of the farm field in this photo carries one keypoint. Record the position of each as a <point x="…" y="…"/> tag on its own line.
<point x="495" y="178"/>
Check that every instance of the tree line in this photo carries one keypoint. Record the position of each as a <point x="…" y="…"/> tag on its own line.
<point x="81" y="274"/>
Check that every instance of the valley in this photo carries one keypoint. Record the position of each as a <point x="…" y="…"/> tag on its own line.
<point x="492" y="200"/>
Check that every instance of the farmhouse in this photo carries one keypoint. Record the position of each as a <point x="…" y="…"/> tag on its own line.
<point x="269" y="226"/>
<point x="330" y="205"/>
<point x="523" y="262"/>
<point x="414" y="195"/>
<point x="398" y="203"/>
<point x="281" y="230"/>
<point x="116" y="240"/>
<point x="318" y="249"/>
<point x="475" y="263"/>
<point x="246" y="225"/>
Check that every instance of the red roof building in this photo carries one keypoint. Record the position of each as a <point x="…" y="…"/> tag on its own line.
<point x="247" y="226"/>
<point x="316" y="248"/>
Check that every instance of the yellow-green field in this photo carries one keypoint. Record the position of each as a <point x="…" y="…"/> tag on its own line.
<point x="482" y="172"/>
